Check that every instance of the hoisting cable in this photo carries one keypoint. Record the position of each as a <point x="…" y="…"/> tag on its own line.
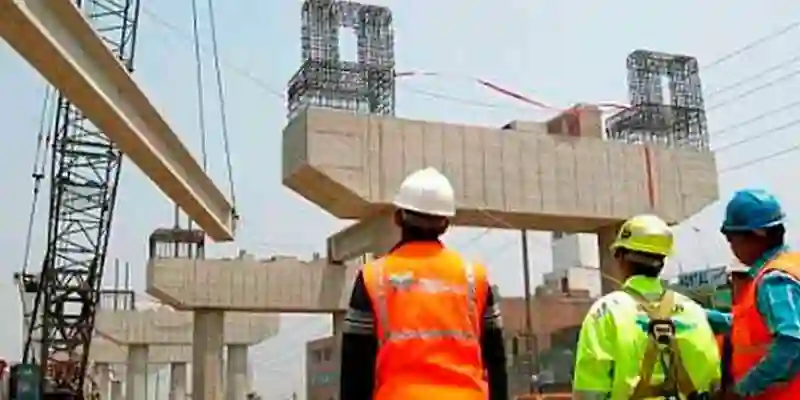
<point x="37" y="173"/>
<point x="201" y="103"/>
<point x="201" y="106"/>
<point x="222" y="106"/>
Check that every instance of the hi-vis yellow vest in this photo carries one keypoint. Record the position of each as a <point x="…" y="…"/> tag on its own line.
<point x="614" y="339"/>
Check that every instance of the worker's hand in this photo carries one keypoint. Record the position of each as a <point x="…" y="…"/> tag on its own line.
<point x="731" y="395"/>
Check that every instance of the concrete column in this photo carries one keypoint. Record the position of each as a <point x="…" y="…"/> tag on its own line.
<point x="177" y="381"/>
<point x="116" y="390"/>
<point x="338" y="320"/>
<point x="207" y="354"/>
<point x="102" y="377"/>
<point x="136" y="372"/>
<point x="236" y="382"/>
<point x="611" y="276"/>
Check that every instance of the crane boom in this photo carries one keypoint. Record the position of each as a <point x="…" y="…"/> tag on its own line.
<point x="84" y="176"/>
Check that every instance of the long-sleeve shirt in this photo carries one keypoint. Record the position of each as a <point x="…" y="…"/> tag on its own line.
<point x="778" y="300"/>
<point x="611" y="351"/>
<point x="360" y="347"/>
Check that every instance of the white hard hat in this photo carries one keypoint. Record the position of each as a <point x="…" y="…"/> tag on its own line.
<point x="427" y="191"/>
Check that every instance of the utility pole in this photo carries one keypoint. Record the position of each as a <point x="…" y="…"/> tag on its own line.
<point x="530" y="339"/>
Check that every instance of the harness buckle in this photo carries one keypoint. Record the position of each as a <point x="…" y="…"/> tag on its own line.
<point x="662" y="330"/>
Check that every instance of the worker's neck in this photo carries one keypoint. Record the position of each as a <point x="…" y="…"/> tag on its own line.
<point x="417" y="239"/>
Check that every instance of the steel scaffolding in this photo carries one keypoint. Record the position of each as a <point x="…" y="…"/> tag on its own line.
<point x="674" y="118"/>
<point x="365" y="85"/>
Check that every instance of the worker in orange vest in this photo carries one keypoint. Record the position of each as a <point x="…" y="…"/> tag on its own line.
<point x="422" y="321"/>
<point x="765" y="322"/>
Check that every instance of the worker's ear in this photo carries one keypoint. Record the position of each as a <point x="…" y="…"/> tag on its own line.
<point x="398" y="218"/>
<point x="446" y="226"/>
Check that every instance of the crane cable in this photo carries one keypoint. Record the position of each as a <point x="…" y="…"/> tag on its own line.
<point x="222" y="104"/>
<point x="201" y="107"/>
<point x="38" y="172"/>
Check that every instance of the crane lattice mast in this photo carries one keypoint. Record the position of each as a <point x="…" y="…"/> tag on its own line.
<point x="84" y="175"/>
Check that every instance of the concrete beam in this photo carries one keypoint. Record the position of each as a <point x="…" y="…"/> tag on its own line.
<point x="544" y="179"/>
<point x="56" y="39"/>
<point x="167" y="327"/>
<point x="105" y="351"/>
<point x="376" y="234"/>
<point x="283" y="284"/>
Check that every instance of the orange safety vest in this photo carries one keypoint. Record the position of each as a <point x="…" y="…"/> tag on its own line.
<point x="750" y="336"/>
<point x="428" y="305"/>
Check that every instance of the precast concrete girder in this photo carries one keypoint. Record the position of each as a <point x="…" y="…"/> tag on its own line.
<point x="279" y="284"/>
<point x="375" y="234"/>
<point x="55" y="38"/>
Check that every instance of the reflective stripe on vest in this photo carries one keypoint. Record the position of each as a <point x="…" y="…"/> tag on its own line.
<point x="430" y="286"/>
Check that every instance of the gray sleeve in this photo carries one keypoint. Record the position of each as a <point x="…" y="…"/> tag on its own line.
<point x="360" y="318"/>
<point x="492" y="318"/>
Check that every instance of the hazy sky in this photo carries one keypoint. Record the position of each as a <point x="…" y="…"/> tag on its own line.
<point x="558" y="51"/>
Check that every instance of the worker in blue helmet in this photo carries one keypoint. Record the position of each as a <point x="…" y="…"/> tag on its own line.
<point x="764" y="326"/>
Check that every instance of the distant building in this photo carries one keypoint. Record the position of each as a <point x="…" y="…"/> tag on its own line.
<point x="322" y="368"/>
<point x="556" y="318"/>
<point x="708" y="286"/>
<point x="576" y="264"/>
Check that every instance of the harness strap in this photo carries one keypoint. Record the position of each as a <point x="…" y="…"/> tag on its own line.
<point x="675" y="375"/>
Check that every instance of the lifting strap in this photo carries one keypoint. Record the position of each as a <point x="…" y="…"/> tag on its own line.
<point x="661" y="345"/>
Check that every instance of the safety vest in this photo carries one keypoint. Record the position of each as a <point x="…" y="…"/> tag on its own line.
<point x="750" y="336"/>
<point x="620" y="329"/>
<point x="428" y="305"/>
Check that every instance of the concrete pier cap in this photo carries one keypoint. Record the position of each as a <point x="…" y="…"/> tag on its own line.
<point x="272" y="285"/>
<point x="525" y="175"/>
<point x="164" y="326"/>
<point x="556" y="175"/>
<point x="105" y="351"/>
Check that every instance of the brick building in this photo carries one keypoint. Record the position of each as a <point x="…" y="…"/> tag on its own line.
<point x="551" y="312"/>
<point x="322" y="369"/>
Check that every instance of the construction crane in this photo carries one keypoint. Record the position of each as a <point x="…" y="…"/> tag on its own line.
<point x="84" y="176"/>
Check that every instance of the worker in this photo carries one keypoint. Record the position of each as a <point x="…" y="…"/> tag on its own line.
<point x="422" y="321"/>
<point x="629" y="335"/>
<point x="764" y="324"/>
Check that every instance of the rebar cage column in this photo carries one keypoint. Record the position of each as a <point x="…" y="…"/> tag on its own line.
<point x="365" y="85"/>
<point x="677" y="120"/>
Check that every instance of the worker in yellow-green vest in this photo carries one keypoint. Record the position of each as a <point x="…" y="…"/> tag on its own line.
<point x="644" y="341"/>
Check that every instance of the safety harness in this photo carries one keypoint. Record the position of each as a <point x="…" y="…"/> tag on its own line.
<point x="662" y="346"/>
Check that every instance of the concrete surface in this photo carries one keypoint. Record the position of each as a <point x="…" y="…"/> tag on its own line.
<point x="164" y="326"/>
<point x="376" y="234"/>
<point x="56" y="39"/>
<point x="108" y="352"/>
<point x="351" y="165"/>
<point x="282" y="284"/>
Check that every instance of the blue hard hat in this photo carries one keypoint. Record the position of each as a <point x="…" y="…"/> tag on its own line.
<point x="752" y="209"/>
